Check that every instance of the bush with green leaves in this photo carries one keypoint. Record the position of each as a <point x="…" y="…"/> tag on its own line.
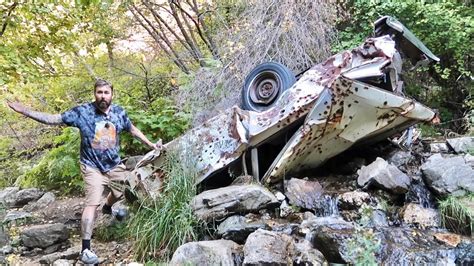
<point x="457" y="213"/>
<point x="59" y="168"/>
<point x="447" y="29"/>
<point x="159" y="226"/>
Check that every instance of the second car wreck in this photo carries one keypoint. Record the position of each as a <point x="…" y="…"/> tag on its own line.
<point x="353" y="97"/>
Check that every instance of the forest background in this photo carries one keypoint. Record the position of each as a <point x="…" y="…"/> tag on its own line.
<point x="176" y="63"/>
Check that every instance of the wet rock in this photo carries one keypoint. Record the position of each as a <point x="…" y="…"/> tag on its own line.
<point x="41" y="203"/>
<point x="384" y="175"/>
<point x="439" y="147"/>
<point x="6" y="249"/>
<point x="307" y="255"/>
<point x="407" y="246"/>
<point x="13" y="216"/>
<point x="26" y="195"/>
<point x="353" y="200"/>
<point x="8" y="196"/>
<point x="304" y="194"/>
<point x="330" y="236"/>
<point x="448" y="175"/>
<point x="461" y="145"/>
<point x="69" y="254"/>
<point x="222" y="202"/>
<point x="400" y="158"/>
<point x="237" y="228"/>
<point x="448" y="238"/>
<point x="43" y="236"/>
<point x="216" y="252"/>
<point x="268" y="248"/>
<point x="465" y="253"/>
<point x="415" y="214"/>
<point x="420" y="194"/>
<point x="378" y="218"/>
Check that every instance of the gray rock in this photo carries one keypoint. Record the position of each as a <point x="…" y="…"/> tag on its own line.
<point x="222" y="202"/>
<point x="4" y="239"/>
<point x="304" y="194"/>
<point x="43" y="202"/>
<point x="6" y="249"/>
<point x="61" y="262"/>
<point x="69" y="254"/>
<point x="26" y="195"/>
<point x="400" y="158"/>
<point x="329" y="235"/>
<point x="448" y="175"/>
<point x="8" y="196"/>
<point x="285" y="209"/>
<point x="307" y="255"/>
<point x="407" y="246"/>
<point x="237" y="228"/>
<point x="461" y="145"/>
<point x="353" y="200"/>
<point x="424" y="217"/>
<point x="280" y="196"/>
<point x="13" y="216"/>
<point x="216" y="252"/>
<point x="385" y="175"/>
<point x="44" y="235"/>
<point x="269" y="248"/>
<point x="378" y="219"/>
<point x="439" y="147"/>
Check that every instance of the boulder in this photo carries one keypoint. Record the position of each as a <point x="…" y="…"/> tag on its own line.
<point x="304" y="194"/>
<point x="307" y="255"/>
<point x="462" y="144"/>
<point x="25" y="196"/>
<point x="269" y="248"/>
<point x="353" y="200"/>
<point x="400" y="158"/>
<point x="13" y="216"/>
<point x="407" y="246"/>
<point x="237" y="228"/>
<point x="216" y="252"/>
<point x="424" y="217"/>
<point x="469" y="160"/>
<point x="329" y="235"/>
<point x="222" y="202"/>
<point x="384" y="175"/>
<point x="449" y="175"/>
<point x="41" y="203"/>
<point x="45" y="235"/>
<point x="8" y="196"/>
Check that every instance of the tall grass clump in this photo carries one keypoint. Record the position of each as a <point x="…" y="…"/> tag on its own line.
<point x="457" y="214"/>
<point x="161" y="225"/>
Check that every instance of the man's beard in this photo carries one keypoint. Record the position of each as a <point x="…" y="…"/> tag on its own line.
<point x="103" y="104"/>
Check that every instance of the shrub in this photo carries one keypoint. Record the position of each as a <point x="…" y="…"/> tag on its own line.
<point x="59" y="168"/>
<point x="161" y="225"/>
<point x="457" y="214"/>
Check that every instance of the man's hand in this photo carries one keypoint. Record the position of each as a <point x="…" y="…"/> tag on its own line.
<point x="17" y="107"/>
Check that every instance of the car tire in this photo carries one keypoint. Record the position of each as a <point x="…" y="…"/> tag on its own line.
<point x="264" y="86"/>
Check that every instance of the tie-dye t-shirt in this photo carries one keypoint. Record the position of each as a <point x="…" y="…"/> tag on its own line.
<point x="99" y="133"/>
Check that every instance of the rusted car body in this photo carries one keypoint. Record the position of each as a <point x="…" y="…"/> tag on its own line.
<point x="352" y="97"/>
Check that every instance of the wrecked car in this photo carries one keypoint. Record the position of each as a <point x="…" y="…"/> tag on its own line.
<point x="286" y="125"/>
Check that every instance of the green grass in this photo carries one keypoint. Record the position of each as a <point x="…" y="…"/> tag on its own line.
<point x="457" y="214"/>
<point x="161" y="225"/>
<point x="117" y="231"/>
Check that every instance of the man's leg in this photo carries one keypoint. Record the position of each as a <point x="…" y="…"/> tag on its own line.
<point x="94" y="187"/>
<point x="117" y="177"/>
<point x="87" y="225"/>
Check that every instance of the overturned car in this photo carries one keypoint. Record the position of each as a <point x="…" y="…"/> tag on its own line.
<point x="353" y="97"/>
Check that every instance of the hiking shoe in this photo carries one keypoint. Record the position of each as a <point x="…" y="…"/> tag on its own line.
<point x="119" y="214"/>
<point x="89" y="257"/>
<point x="106" y="209"/>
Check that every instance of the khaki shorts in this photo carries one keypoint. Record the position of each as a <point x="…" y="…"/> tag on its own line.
<point x="95" y="182"/>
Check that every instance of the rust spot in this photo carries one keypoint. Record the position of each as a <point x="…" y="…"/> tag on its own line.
<point x="350" y="117"/>
<point x="385" y="103"/>
<point x="356" y="89"/>
<point x="349" y="105"/>
<point x="356" y="101"/>
<point x="366" y="88"/>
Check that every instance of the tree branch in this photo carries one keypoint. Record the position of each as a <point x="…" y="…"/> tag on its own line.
<point x="7" y="19"/>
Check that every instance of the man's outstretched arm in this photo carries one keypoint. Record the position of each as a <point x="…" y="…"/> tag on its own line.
<point x="45" y="118"/>
<point x="139" y="135"/>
